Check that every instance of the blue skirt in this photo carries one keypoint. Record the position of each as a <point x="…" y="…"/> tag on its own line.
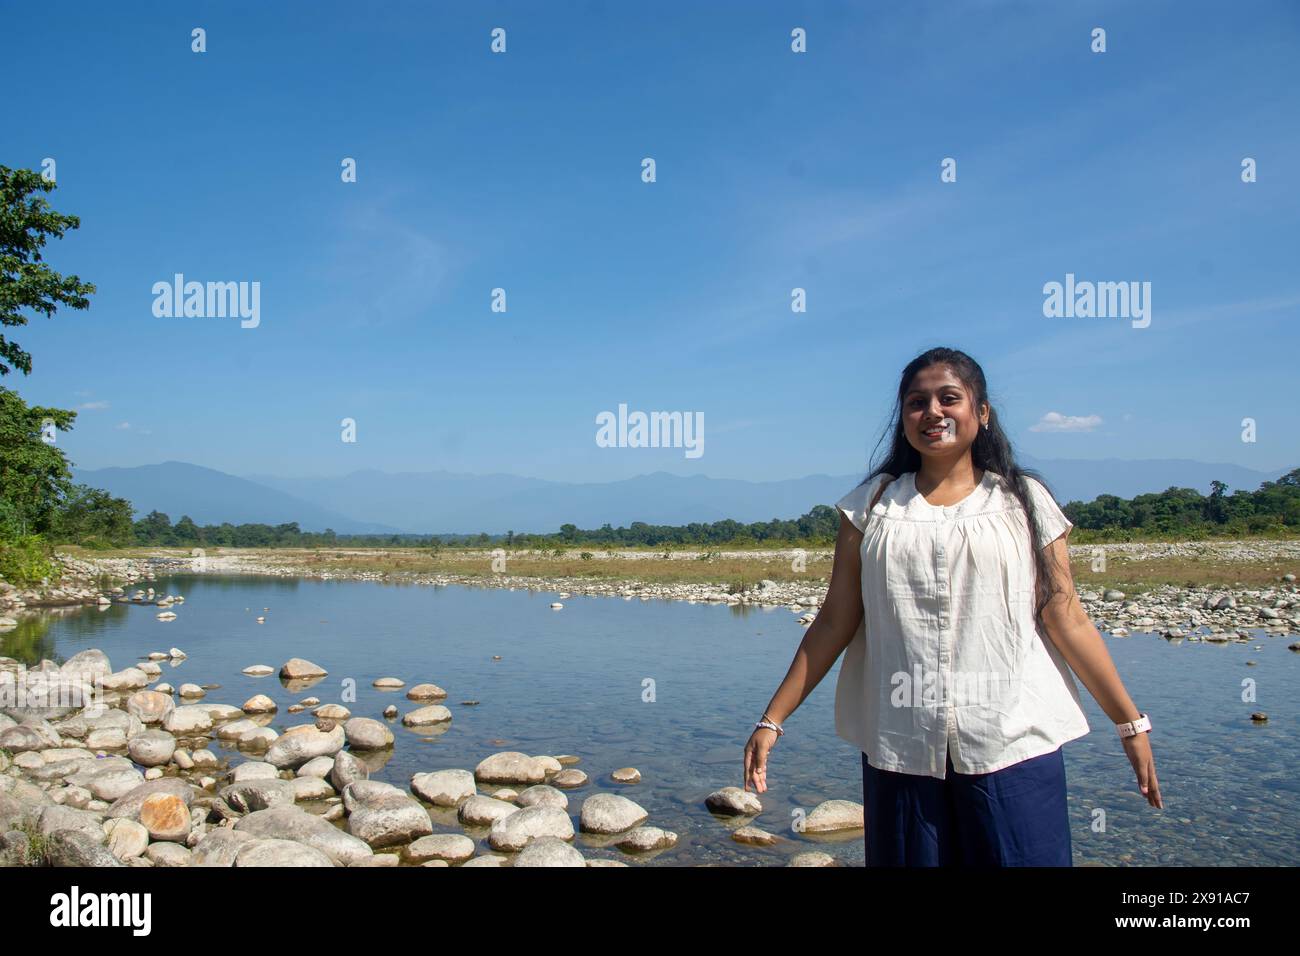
<point x="1015" y="816"/>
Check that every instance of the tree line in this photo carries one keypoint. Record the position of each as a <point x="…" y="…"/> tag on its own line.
<point x="1183" y="512"/>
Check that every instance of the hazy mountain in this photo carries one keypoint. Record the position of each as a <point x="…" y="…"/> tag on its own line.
<point x="450" y="502"/>
<point x="456" y="503"/>
<point x="446" y="502"/>
<point x="212" y="497"/>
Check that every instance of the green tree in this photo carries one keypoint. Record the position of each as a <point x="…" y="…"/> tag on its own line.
<point x="34" y="472"/>
<point x="154" y="528"/>
<point x="93" y="516"/>
<point x="26" y="282"/>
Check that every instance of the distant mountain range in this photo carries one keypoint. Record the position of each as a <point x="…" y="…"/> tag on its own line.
<point x="442" y="502"/>
<point x="213" y="497"/>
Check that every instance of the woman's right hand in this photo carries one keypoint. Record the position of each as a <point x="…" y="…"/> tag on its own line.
<point x="756" y="751"/>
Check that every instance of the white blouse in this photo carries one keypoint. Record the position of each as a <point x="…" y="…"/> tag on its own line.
<point x="948" y="656"/>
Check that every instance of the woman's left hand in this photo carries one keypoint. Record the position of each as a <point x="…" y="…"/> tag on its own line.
<point x="1138" y="748"/>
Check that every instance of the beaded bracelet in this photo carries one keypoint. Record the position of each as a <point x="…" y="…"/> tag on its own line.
<point x="770" y="725"/>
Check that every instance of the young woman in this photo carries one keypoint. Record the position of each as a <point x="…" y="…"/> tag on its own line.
<point x="955" y="684"/>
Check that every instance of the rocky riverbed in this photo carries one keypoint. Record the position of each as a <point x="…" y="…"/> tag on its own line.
<point x="92" y="581"/>
<point x="110" y="768"/>
<point x="1192" y="613"/>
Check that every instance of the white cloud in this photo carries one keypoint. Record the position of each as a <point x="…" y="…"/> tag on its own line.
<point x="93" y="406"/>
<point x="123" y="426"/>
<point x="384" y="270"/>
<point x="1056" y="422"/>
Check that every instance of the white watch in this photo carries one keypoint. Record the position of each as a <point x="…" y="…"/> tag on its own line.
<point x="1134" y="727"/>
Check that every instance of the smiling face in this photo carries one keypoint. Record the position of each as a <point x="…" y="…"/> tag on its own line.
<point x="939" y="417"/>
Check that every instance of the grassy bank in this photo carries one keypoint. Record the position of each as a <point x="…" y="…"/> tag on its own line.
<point x="1139" y="568"/>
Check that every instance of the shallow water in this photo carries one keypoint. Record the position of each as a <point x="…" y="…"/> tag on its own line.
<point x="673" y="689"/>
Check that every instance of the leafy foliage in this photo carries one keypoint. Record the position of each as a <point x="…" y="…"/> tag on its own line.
<point x="27" y="561"/>
<point x="26" y="282"/>
<point x="34" y="474"/>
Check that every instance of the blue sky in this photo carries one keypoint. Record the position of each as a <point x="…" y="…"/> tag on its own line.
<point x="775" y="170"/>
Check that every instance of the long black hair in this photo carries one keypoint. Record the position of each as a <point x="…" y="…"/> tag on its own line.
<point x="990" y="451"/>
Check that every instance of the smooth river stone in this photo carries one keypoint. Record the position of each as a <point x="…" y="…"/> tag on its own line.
<point x="131" y="678"/>
<point x="481" y="811"/>
<point x="166" y="817"/>
<point x="150" y="706"/>
<point x="755" y="836"/>
<point x="296" y="668"/>
<point x="259" y="739"/>
<point x="311" y="788"/>
<point x="294" y="823"/>
<point x="366" y="733"/>
<point x="72" y="848"/>
<point x="571" y="777"/>
<point x="317" y="767"/>
<point x="444" y="788"/>
<point x="220" y="847"/>
<point x="87" y="665"/>
<point x="254" y="770"/>
<point x="168" y="854"/>
<point x="54" y="818"/>
<point x="426" y="692"/>
<point x="280" y="853"/>
<point x="220" y="712"/>
<point x="543" y="795"/>
<point x="734" y="801"/>
<point x="510" y="766"/>
<point x="108" y="782"/>
<point x="426" y="716"/>
<point x="642" y="839"/>
<point x="128" y="806"/>
<point x="188" y="720"/>
<point x="834" y="815"/>
<point x="449" y="847"/>
<point x="104" y="738"/>
<point x="382" y="815"/>
<point x="127" y="839"/>
<point x="610" y="813"/>
<point x="235" y="729"/>
<point x="153" y="748"/>
<point x="252" y="795"/>
<point x="549" y="851"/>
<point x="346" y="769"/>
<point x="259" y="704"/>
<point x="517" y="830"/>
<point x="297" y="745"/>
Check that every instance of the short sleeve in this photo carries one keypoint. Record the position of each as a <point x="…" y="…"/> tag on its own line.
<point x="1051" y="519"/>
<point x="856" y="505"/>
